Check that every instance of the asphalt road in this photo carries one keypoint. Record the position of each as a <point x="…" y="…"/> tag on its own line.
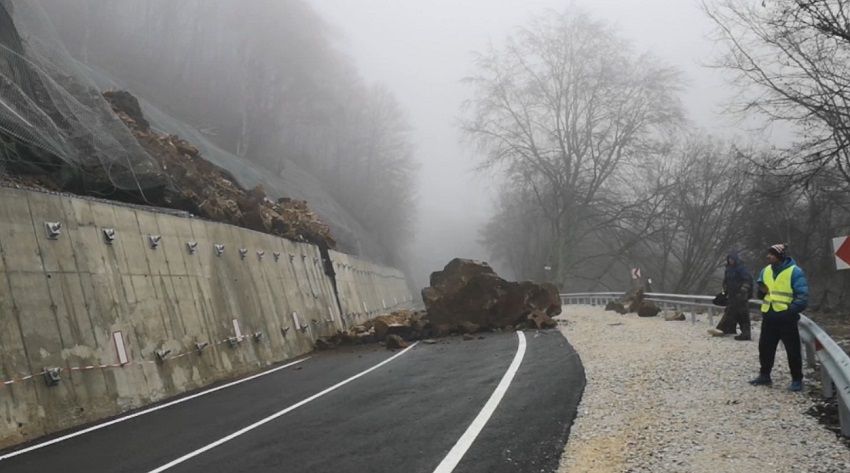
<point x="356" y="410"/>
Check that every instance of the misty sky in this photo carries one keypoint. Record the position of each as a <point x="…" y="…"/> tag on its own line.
<point x="422" y="49"/>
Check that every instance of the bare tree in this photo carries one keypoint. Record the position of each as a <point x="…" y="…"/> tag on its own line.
<point x="566" y="111"/>
<point x="796" y="53"/>
<point x="704" y="210"/>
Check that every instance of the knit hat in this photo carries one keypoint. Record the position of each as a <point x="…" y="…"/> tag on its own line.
<point x="779" y="249"/>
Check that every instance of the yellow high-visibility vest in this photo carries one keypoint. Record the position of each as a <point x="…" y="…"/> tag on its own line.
<point x="779" y="291"/>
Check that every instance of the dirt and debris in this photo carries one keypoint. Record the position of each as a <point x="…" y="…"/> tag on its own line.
<point x="394" y="330"/>
<point x="208" y="191"/>
<point x="451" y="310"/>
<point x="194" y="185"/>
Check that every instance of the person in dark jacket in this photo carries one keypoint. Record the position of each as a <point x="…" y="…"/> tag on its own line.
<point x="738" y="287"/>
<point x="785" y="290"/>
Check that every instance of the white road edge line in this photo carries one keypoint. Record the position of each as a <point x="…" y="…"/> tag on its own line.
<point x="146" y="411"/>
<point x="468" y="438"/>
<point x="276" y="415"/>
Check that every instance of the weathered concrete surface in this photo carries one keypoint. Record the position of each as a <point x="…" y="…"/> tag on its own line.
<point x="61" y="300"/>
<point x="367" y="290"/>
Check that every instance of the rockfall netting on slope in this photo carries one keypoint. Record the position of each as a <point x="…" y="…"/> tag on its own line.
<point x="78" y="132"/>
<point x="55" y="119"/>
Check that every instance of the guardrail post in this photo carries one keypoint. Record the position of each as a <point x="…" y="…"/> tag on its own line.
<point x="826" y="384"/>
<point x="711" y="316"/>
<point x="843" y="417"/>
<point x="810" y="354"/>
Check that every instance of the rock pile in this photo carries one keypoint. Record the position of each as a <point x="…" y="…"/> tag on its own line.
<point x="465" y="298"/>
<point x="633" y="302"/>
<point x="394" y="330"/>
<point x="201" y="188"/>
<point x="468" y="295"/>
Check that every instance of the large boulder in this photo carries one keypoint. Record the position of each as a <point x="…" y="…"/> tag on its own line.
<point x="648" y="309"/>
<point x="470" y="292"/>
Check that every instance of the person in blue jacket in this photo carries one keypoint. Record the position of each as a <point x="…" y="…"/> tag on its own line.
<point x="785" y="291"/>
<point x="738" y="288"/>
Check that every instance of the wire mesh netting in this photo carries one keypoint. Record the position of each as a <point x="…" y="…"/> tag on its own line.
<point x="52" y="115"/>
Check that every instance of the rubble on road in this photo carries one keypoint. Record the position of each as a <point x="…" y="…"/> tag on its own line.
<point x="466" y="298"/>
<point x="394" y="341"/>
<point x="394" y="330"/>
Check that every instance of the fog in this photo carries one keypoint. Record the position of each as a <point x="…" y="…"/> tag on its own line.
<point x="560" y="141"/>
<point x="422" y="50"/>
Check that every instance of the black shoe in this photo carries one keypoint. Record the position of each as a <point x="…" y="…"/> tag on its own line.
<point x="762" y="380"/>
<point x="743" y="337"/>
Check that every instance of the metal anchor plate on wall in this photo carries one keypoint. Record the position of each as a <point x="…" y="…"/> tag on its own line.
<point x="54" y="229"/>
<point x="109" y="235"/>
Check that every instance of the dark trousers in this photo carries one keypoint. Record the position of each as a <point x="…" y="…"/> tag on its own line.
<point x="782" y="326"/>
<point x="735" y="316"/>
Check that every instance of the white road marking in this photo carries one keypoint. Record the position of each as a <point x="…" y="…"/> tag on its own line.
<point x="468" y="438"/>
<point x="274" y="416"/>
<point x="146" y="411"/>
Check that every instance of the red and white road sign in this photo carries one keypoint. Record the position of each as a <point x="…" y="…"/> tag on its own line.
<point x="841" y="247"/>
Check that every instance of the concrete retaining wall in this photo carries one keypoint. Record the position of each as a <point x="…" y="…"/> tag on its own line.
<point x="63" y="300"/>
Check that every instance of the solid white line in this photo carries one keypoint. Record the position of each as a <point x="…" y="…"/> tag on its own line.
<point x="466" y="440"/>
<point x="146" y="411"/>
<point x="276" y="415"/>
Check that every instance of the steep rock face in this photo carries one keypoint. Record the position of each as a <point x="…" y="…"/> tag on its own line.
<point x="468" y="291"/>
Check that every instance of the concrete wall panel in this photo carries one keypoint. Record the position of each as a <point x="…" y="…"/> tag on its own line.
<point x="62" y="299"/>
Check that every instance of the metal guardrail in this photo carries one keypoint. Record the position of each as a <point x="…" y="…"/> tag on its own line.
<point x="817" y="344"/>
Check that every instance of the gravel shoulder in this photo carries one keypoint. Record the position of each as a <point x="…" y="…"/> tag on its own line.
<point x="667" y="397"/>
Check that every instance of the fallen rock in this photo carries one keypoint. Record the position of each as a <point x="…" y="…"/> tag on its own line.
<point x="468" y="291"/>
<point x="389" y="328"/>
<point x="541" y="320"/>
<point x="429" y="341"/>
<point x="124" y="101"/>
<point x="358" y="329"/>
<point x="616" y="306"/>
<point x="648" y="309"/>
<point x="674" y="316"/>
<point x="633" y="300"/>
<point x="394" y="342"/>
<point x="468" y="336"/>
<point x="442" y="330"/>
<point x="468" y="327"/>
<point x="404" y="323"/>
